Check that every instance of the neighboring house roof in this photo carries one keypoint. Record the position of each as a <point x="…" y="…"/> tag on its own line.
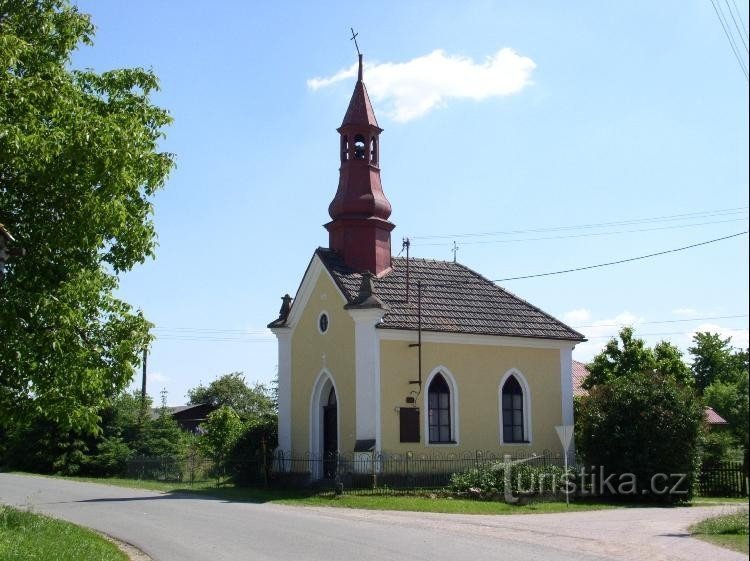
<point x="177" y="409"/>
<point x="580" y="373"/>
<point x="713" y="418"/>
<point x="455" y="299"/>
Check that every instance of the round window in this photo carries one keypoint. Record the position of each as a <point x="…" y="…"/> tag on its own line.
<point x="323" y="322"/>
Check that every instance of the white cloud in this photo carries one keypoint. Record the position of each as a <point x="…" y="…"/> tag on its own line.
<point x="600" y="331"/>
<point x="577" y="316"/>
<point x="408" y="90"/>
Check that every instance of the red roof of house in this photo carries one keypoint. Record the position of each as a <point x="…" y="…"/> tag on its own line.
<point x="713" y="418"/>
<point x="580" y="372"/>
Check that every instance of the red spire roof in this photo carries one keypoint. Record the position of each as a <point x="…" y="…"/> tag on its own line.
<point x="360" y="109"/>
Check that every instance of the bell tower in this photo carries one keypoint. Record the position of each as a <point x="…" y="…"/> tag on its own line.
<point x="360" y="230"/>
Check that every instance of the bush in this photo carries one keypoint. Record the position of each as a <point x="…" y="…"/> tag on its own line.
<point x="644" y="425"/>
<point x="487" y="481"/>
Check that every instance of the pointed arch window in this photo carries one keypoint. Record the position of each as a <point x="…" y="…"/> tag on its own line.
<point x="514" y="429"/>
<point x="374" y="150"/>
<point x="439" y="410"/>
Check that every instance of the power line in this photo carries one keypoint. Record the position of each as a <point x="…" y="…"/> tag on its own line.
<point x="622" y="260"/>
<point x="737" y="27"/>
<point x="623" y="324"/>
<point x="593" y="234"/>
<point x="646" y="334"/>
<point x="628" y="222"/>
<point x="739" y="17"/>
<point x="724" y="26"/>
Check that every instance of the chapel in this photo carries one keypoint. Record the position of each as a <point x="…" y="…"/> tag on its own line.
<point x="392" y="355"/>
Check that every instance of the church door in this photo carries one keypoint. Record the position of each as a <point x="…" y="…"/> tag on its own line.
<point x="330" y="436"/>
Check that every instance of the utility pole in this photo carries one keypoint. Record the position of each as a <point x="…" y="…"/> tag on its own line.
<point x="143" y="383"/>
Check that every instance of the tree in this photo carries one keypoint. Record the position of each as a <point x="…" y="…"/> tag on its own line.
<point x="231" y="390"/>
<point x="668" y="361"/>
<point x="223" y="429"/>
<point x="641" y="424"/>
<point x="632" y="356"/>
<point x="79" y="163"/>
<point x="714" y="359"/>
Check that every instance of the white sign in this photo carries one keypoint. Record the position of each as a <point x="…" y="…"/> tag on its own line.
<point x="565" y="432"/>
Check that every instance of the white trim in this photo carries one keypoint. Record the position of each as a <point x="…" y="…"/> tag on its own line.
<point x="566" y="391"/>
<point x="367" y="373"/>
<point x="328" y="325"/>
<point x="284" y="338"/>
<point x="306" y="288"/>
<point x="316" y="420"/>
<point x="527" y="431"/>
<point x="470" y="339"/>
<point x="453" y="386"/>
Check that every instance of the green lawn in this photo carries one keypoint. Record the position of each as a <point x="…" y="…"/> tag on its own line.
<point x="419" y="503"/>
<point x="729" y="530"/>
<point x="25" y="536"/>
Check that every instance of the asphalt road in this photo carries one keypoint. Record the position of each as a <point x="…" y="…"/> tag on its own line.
<point x="174" y="527"/>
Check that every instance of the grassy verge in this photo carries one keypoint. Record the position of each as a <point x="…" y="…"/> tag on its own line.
<point x="418" y="503"/>
<point x="303" y="497"/>
<point x="25" y="536"/>
<point x="729" y="530"/>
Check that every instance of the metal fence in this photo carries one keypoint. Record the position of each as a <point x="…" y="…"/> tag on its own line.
<point x="196" y="469"/>
<point x="384" y="473"/>
<point x="725" y="479"/>
<point x="378" y="473"/>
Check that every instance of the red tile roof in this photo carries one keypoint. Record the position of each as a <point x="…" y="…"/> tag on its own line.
<point x="580" y="372"/>
<point x="713" y="418"/>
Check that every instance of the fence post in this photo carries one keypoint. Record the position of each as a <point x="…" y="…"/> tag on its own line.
<point x="265" y="461"/>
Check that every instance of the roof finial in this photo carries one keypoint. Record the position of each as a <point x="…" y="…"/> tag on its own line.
<point x="354" y="38"/>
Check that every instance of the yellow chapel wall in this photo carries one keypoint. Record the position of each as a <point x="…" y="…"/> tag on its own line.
<point x="308" y="346"/>
<point x="477" y="370"/>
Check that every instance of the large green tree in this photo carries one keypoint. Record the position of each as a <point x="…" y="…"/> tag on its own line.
<point x="630" y="355"/>
<point x="249" y="402"/>
<point x="79" y="163"/>
<point x="715" y="360"/>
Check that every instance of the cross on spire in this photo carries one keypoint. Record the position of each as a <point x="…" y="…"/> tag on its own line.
<point x="354" y="38"/>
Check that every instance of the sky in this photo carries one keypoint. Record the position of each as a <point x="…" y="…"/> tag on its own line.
<point x="539" y="136"/>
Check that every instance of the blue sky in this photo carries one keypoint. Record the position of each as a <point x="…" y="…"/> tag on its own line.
<point x="598" y="112"/>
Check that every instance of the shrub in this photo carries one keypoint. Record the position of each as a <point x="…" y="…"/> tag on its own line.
<point x="488" y="480"/>
<point x="644" y="425"/>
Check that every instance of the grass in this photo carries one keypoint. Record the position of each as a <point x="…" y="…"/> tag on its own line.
<point x="26" y="536"/>
<point x="729" y="530"/>
<point x="302" y="497"/>
<point x="419" y="503"/>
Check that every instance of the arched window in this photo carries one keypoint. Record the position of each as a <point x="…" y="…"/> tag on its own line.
<point x="359" y="147"/>
<point x="513" y="413"/>
<point x="439" y="410"/>
<point x="332" y="396"/>
<point x="374" y="150"/>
